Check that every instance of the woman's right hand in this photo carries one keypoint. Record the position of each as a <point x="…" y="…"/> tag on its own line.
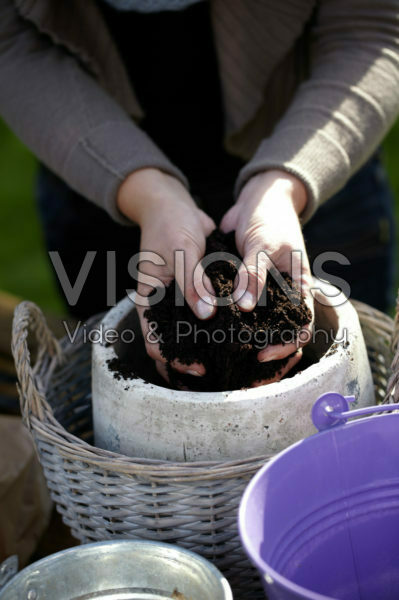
<point x="169" y="220"/>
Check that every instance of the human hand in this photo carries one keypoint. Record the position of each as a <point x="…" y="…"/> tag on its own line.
<point x="266" y="217"/>
<point x="169" y="220"/>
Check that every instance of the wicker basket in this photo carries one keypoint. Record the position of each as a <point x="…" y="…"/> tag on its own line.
<point x="104" y="495"/>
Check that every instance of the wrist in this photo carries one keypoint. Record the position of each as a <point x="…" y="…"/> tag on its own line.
<point x="146" y="191"/>
<point x="130" y="200"/>
<point x="280" y="183"/>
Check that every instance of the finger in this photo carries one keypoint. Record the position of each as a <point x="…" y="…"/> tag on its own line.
<point x="195" y="284"/>
<point x="195" y="369"/>
<point x="302" y="277"/>
<point x="290" y="364"/>
<point x="251" y="280"/>
<point x="308" y="298"/>
<point x="152" y="272"/>
<point x="149" y="277"/>
<point x="162" y="370"/>
<point x="279" y="351"/>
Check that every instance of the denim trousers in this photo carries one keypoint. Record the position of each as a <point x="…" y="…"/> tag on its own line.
<point x="357" y="222"/>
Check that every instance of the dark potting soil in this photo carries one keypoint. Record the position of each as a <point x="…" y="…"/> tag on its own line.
<point x="122" y="369"/>
<point x="132" y="361"/>
<point x="227" y="344"/>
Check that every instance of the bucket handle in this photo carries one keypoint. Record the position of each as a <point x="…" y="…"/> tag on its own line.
<point x="333" y="409"/>
<point x="29" y="318"/>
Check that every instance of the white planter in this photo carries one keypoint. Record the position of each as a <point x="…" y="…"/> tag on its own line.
<point x="141" y="419"/>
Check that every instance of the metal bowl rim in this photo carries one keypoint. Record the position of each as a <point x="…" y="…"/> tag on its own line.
<point x="85" y="549"/>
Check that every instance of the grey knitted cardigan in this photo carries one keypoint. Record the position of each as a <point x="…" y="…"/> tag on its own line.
<point x="66" y="93"/>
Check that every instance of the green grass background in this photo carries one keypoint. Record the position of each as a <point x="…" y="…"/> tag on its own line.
<point x="24" y="269"/>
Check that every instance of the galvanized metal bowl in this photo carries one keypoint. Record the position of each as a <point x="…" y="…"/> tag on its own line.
<point x="119" y="570"/>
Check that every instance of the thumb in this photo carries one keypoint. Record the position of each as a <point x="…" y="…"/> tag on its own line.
<point x="208" y="224"/>
<point x="229" y="221"/>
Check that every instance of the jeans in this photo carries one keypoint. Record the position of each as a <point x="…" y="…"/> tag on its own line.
<point x="357" y="222"/>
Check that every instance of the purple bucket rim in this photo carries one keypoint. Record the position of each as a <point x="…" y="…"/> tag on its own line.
<point x="260" y="564"/>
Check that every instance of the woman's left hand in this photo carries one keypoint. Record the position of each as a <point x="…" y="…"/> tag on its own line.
<point x="266" y="218"/>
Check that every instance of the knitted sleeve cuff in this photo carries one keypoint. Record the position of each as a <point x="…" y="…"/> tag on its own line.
<point x="312" y="147"/>
<point x="97" y="168"/>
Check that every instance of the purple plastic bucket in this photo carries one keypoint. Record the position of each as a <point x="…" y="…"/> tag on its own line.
<point x="321" y="520"/>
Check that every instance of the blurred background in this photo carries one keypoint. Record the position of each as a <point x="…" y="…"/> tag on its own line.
<point x="24" y="268"/>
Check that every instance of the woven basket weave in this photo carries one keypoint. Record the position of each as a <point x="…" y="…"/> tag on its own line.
<point x="103" y="495"/>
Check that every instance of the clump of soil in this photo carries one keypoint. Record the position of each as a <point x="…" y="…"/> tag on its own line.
<point x="122" y="369"/>
<point x="227" y="344"/>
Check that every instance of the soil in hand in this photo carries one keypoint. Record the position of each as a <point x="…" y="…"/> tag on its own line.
<point x="227" y="344"/>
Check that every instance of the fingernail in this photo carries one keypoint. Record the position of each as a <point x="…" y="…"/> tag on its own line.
<point x="247" y="302"/>
<point x="195" y="373"/>
<point x="204" y="308"/>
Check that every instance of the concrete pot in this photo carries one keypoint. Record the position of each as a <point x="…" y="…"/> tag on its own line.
<point x="143" y="419"/>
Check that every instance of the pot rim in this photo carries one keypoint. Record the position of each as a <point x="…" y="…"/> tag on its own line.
<point x="111" y="320"/>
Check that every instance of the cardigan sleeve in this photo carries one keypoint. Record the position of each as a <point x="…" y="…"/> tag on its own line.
<point x="63" y="115"/>
<point x="340" y="114"/>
